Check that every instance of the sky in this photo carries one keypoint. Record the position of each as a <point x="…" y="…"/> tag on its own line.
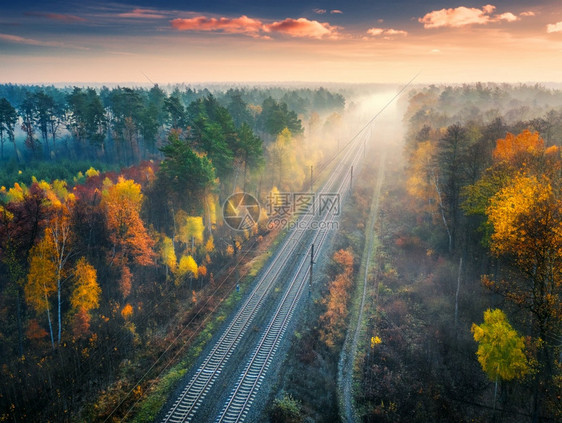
<point x="352" y="41"/>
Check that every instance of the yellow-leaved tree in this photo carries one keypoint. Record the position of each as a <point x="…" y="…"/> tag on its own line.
<point x="41" y="281"/>
<point x="187" y="268"/>
<point x="521" y="198"/>
<point x="85" y="296"/>
<point x="189" y="229"/>
<point x="501" y="351"/>
<point x="168" y="255"/>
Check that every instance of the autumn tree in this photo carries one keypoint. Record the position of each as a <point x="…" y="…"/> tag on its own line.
<point x="521" y="197"/>
<point x="500" y="348"/>
<point x="85" y="296"/>
<point x="501" y="351"/>
<point x="59" y="234"/>
<point x="187" y="268"/>
<point x="168" y="255"/>
<point x="24" y="216"/>
<point x="189" y="229"/>
<point x="41" y="281"/>
<point x="333" y="319"/>
<point x="121" y="203"/>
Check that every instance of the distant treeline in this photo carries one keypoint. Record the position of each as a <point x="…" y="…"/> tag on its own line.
<point x="124" y="125"/>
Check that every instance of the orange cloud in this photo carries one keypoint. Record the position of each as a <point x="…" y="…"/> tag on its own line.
<point x="142" y="14"/>
<point x="336" y="12"/>
<point x="375" y="32"/>
<point x="462" y="16"/>
<point x="319" y="11"/>
<point x="57" y="17"/>
<point x="557" y="27"/>
<point x="241" y="25"/>
<point x="527" y="13"/>
<point x="303" y="28"/>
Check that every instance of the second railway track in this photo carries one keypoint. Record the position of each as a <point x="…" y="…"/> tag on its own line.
<point x="192" y="396"/>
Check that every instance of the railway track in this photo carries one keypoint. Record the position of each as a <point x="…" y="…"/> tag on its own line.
<point x="192" y="396"/>
<point x="242" y="396"/>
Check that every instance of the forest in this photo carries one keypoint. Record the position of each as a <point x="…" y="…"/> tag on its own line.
<point x="117" y="267"/>
<point x="112" y="244"/>
<point x="466" y="292"/>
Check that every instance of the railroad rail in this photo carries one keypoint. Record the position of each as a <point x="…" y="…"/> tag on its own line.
<point x="194" y="393"/>
<point x="242" y="396"/>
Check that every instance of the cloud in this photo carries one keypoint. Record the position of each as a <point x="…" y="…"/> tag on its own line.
<point x="29" y="41"/>
<point x="462" y="16"/>
<point x="375" y="31"/>
<point x="241" y="25"/>
<point x="57" y="17"/>
<point x="40" y="43"/>
<point x="336" y="12"/>
<point x="386" y="32"/>
<point x="142" y="14"/>
<point x="395" y="32"/>
<point x="319" y="11"/>
<point x="301" y="28"/>
<point x="527" y="13"/>
<point x="557" y="27"/>
<point x="508" y="17"/>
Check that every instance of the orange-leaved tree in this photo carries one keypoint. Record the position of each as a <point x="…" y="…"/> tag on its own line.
<point x="521" y="198"/>
<point x="333" y="319"/>
<point x="121" y="203"/>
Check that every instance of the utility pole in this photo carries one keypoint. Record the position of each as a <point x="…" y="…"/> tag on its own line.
<point x="351" y="182"/>
<point x="311" y="180"/>
<point x="311" y="266"/>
